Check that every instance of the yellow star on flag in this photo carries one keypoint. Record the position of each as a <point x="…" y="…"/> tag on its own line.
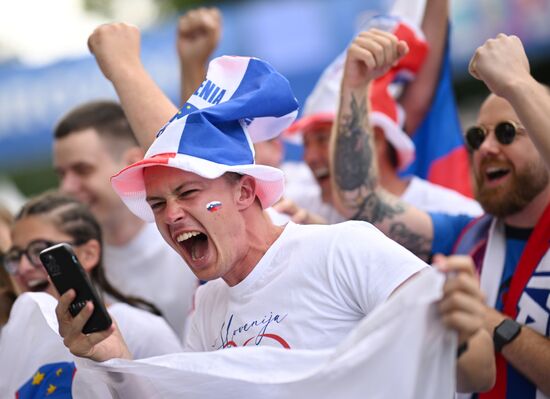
<point x="51" y="389"/>
<point x="58" y="372"/>
<point x="37" y="378"/>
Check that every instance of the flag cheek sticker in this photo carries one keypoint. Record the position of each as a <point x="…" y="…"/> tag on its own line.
<point x="213" y="206"/>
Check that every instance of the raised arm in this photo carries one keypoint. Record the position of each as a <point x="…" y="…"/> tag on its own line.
<point x="356" y="191"/>
<point x="116" y="48"/>
<point x="199" y="33"/>
<point x="502" y="64"/>
<point x="418" y="94"/>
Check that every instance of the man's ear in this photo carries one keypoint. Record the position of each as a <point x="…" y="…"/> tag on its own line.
<point x="89" y="254"/>
<point x="132" y="155"/>
<point x="246" y="194"/>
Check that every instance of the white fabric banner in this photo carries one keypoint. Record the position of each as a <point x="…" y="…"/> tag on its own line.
<point x="26" y="342"/>
<point x="401" y="350"/>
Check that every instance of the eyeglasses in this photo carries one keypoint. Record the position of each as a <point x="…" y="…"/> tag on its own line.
<point x="32" y="252"/>
<point x="505" y="132"/>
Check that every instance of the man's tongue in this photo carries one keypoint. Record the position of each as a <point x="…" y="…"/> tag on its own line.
<point x="198" y="246"/>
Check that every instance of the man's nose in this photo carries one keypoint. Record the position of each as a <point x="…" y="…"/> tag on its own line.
<point x="490" y="145"/>
<point x="69" y="183"/>
<point x="311" y="155"/>
<point x="173" y="212"/>
<point x="24" y="265"/>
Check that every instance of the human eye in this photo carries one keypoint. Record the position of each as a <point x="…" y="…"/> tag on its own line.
<point x="13" y="254"/>
<point x="156" y="206"/>
<point x="83" y="169"/>
<point x="187" y="193"/>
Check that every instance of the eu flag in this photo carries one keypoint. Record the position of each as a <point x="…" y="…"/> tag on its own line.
<point x="51" y="381"/>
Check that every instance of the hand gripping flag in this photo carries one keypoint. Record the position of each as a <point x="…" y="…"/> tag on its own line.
<point x="400" y="350"/>
<point x="243" y="100"/>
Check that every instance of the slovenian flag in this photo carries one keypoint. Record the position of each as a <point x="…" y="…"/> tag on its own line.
<point x="440" y="153"/>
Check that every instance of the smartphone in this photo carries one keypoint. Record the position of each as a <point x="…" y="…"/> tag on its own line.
<point x="66" y="272"/>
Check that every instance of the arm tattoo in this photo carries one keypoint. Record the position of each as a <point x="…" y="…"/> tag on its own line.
<point x="355" y="170"/>
<point x="353" y="158"/>
<point x="375" y="210"/>
<point x="356" y="175"/>
<point x="416" y="243"/>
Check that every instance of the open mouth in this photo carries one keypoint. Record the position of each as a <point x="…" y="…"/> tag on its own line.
<point x="495" y="173"/>
<point x="321" y="173"/>
<point x="194" y="243"/>
<point x="38" y="285"/>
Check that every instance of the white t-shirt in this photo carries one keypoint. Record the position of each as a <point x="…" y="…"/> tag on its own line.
<point x="149" y="268"/>
<point x="435" y="198"/>
<point x="146" y="334"/>
<point x="309" y="290"/>
<point x="299" y="181"/>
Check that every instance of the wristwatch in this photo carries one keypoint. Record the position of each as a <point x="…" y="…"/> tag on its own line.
<point x="505" y="332"/>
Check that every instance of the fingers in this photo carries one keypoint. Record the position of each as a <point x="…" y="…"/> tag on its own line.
<point x="455" y="264"/>
<point x="462" y="305"/>
<point x="462" y="276"/>
<point x="286" y="206"/>
<point x="472" y="65"/>
<point x="371" y="54"/>
<point x="70" y="328"/>
<point x="379" y="49"/>
<point x="105" y="32"/>
<point x="300" y="216"/>
<point x="199" y="21"/>
<point x="500" y="62"/>
<point x="463" y="313"/>
<point x="62" y="308"/>
<point x="461" y="302"/>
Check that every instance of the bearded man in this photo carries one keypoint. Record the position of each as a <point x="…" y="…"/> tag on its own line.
<point x="510" y="243"/>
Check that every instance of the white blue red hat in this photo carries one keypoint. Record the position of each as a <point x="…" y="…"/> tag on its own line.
<point x="242" y="100"/>
<point x="322" y="104"/>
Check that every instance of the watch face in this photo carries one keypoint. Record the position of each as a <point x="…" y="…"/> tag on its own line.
<point x="505" y="332"/>
<point x="508" y="329"/>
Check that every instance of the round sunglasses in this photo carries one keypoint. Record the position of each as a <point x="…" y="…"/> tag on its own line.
<point x="505" y="132"/>
<point x="32" y="252"/>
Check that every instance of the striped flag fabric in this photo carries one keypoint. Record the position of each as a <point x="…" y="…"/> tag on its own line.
<point x="441" y="156"/>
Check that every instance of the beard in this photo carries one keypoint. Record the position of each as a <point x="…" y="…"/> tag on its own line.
<point x="515" y="194"/>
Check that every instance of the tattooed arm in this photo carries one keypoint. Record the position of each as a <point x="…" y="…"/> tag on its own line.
<point x="356" y="191"/>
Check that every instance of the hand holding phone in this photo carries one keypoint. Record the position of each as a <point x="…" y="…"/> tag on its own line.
<point x="66" y="272"/>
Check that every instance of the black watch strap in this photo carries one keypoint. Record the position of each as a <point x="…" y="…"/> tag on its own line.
<point x="505" y="332"/>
